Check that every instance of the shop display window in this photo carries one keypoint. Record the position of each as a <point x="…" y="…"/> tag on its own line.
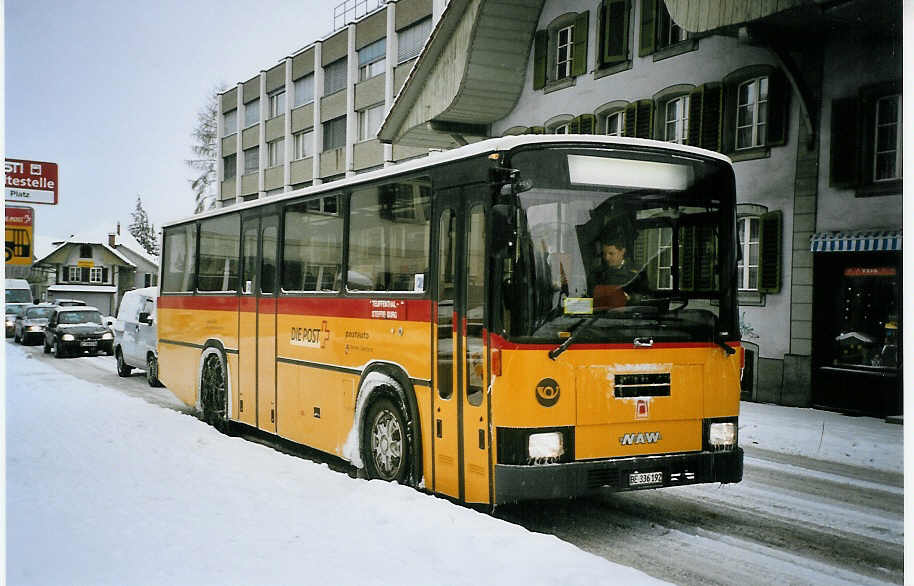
<point x="869" y="328"/>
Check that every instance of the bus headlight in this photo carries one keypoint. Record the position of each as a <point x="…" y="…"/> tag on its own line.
<point x="722" y="435"/>
<point x="67" y="337"/>
<point x="542" y="446"/>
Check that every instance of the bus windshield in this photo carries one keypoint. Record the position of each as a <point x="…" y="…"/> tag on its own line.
<point x="633" y="244"/>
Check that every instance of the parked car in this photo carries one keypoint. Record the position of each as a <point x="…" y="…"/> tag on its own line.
<point x="77" y="330"/>
<point x="31" y="323"/>
<point x="68" y="302"/>
<point x="13" y="310"/>
<point x="135" y="334"/>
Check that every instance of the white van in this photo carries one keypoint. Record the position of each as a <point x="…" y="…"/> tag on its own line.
<point x="18" y="297"/>
<point x="135" y="334"/>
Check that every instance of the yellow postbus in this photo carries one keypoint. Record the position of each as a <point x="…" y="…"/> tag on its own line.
<point x="453" y="323"/>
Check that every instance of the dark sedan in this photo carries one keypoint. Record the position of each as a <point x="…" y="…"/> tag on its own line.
<point x="77" y="330"/>
<point x="30" y="324"/>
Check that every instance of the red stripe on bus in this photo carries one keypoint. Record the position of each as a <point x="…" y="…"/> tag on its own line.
<point x="499" y="342"/>
<point x="382" y="309"/>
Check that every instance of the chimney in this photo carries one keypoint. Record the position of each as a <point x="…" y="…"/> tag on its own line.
<point x="118" y="228"/>
<point x="112" y="240"/>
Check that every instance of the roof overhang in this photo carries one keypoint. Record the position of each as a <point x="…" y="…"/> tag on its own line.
<point x="470" y="73"/>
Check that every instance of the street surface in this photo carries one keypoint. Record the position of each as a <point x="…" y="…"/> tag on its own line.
<point x="792" y="520"/>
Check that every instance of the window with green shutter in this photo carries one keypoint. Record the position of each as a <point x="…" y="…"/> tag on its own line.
<point x="560" y="51"/>
<point x="755" y="116"/>
<point x="579" y="60"/>
<point x="586" y="124"/>
<point x="614" y="23"/>
<point x="646" y="43"/>
<point x="639" y="119"/>
<point x="704" y="116"/>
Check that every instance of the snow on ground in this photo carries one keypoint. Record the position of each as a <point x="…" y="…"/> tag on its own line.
<point x="104" y="488"/>
<point x="823" y="435"/>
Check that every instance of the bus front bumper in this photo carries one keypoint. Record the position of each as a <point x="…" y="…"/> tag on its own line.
<point x="515" y="483"/>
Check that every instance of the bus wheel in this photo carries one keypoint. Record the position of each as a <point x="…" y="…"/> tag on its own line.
<point x="387" y="442"/>
<point x="212" y="392"/>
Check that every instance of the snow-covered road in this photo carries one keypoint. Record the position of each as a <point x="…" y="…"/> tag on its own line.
<point x="821" y="502"/>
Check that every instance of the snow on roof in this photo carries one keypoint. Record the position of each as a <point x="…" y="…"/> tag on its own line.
<point x="99" y="236"/>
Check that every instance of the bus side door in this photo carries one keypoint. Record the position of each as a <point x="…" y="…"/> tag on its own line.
<point x="460" y="401"/>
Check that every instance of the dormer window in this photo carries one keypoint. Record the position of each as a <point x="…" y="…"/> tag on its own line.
<point x="85" y="251"/>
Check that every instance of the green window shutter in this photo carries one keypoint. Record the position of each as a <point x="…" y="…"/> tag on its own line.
<point x="843" y="162"/>
<point x="770" y="236"/>
<point x="630" y="115"/>
<point x="540" y="39"/>
<point x="614" y="39"/>
<point x="778" y="99"/>
<point x="587" y="124"/>
<point x="644" y="122"/>
<point x="687" y="258"/>
<point x="104" y="274"/>
<point x="695" y="99"/>
<point x="84" y="275"/>
<point x="537" y="130"/>
<point x="574" y="126"/>
<point x="711" y="111"/>
<point x="579" y="62"/>
<point x="648" y="27"/>
<point x="728" y="126"/>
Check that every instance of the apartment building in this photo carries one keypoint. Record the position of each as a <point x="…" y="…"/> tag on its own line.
<point x="314" y="116"/>
<point x="803" y="95"/>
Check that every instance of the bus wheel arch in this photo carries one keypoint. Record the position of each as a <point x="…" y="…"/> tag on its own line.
<point x="379" y="383"/>
<point x="213" y="359"/>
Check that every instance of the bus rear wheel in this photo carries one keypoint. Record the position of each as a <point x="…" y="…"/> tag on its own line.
<point x="386" y="442"/>
<point x="213" y="392"/>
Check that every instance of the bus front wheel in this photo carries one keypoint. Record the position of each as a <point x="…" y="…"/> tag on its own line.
<point x="213" y="392"/>
<point x="386" y="442"/>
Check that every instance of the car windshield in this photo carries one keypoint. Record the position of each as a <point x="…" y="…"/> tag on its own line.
<point x="18" y="296"/>
<point x="631" y="239"/>
<point x="80" y="317"/>
<point x="39" y="312"/>
<point x="14" y="310"/>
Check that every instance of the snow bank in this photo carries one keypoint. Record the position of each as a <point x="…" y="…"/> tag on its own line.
<point x="103" y="488"/>
<point x="823" y="435"/>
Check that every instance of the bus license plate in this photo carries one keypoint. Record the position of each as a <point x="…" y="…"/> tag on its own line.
<point x="644" y="478"/>
<point x="88" y="344"/>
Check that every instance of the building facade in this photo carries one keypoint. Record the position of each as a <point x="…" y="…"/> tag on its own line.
<point x="804" y="96"/>
<point x="314" y="116"/>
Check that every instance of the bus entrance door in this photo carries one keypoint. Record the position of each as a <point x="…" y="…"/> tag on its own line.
<point x="257" y="322"/>
<point x="460" y="401"/>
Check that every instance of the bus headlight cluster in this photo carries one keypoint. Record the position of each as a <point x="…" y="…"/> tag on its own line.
<point x="721" y="435"/>
<point x="545" y="446"/>
<point x="67" y="337"/>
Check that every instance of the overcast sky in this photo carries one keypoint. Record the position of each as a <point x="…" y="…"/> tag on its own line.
<point x="110" y="90"/>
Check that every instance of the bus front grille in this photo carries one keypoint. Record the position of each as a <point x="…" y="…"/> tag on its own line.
<point x="642" y="385"/>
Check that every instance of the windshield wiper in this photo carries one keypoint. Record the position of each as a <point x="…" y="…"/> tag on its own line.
<point x="557" y="351"/>
<point x="720" y="341"/>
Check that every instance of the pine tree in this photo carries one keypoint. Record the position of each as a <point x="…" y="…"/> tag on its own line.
<point x="142" y="230"/>
<point x="204" y="147"/>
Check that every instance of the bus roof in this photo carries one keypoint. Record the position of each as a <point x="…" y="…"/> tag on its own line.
<point x="492" y="145"/>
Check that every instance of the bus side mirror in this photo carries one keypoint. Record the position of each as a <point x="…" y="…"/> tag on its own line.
<point x="501" y="228"/>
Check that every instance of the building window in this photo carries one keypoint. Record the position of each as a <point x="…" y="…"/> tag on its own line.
<point x="370" y="121"/>
<point x="277" y="103"/>
<point x="147" y="279"/>
<point x="372" y="59"/>
<point x="664" y="258"/>
<point x="676" y="120"/>
<point x="752" y="113"/>
<point x="560" y="129"/>
<point x="747" y="266"/>
<point x="73" y="274"/>
<point x="229" y="166"/>
<point x="252" y="113"/>
<point x="230" y="122"/>
<point x="412" y="38"/>
<point x="668" y="32"/>
<point x="276" y="152"/>
<point x="304" y="144"/>
<point x="95" y="275"/>
<point x="615" y="124"/>
<point x="335" y="133"/>
<point x="304" y="90"/>
<point x="335" y="77"/>
<point x="85" y="251"/>
<point x="251" y="160"/>
<point x="560" y="51"/>
<point x="887" y="146"/>
<point x="564" y="52"/>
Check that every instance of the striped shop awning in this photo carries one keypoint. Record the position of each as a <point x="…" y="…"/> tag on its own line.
<point x="864" y="241"/>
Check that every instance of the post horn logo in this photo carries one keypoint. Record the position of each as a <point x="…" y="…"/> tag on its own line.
<point x="547" y="392"/>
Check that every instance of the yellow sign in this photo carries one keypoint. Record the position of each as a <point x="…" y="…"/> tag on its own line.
<point x="20" y="224"/>
<point x="85" y="264"/>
